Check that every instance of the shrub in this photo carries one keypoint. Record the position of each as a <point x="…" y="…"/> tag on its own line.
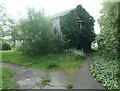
<point x="69" y="85"/>
<point x="6" y="46"/>
<point x="45" y="81"/>
<point x="36" y="33"/>
<point x="79" y="54"/>
<point x="52" y="65"/>
<point x="59" y="43"/>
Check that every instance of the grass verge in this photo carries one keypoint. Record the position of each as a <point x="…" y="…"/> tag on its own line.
<point x="5" y="79"/>
<point x="62" y="61"/>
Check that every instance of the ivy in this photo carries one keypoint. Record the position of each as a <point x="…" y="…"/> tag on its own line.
<point x="77" y="26"/>
<point x="105" y="66"/>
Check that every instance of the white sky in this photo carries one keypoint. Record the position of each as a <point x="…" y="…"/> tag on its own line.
<point x="18" y="8"/>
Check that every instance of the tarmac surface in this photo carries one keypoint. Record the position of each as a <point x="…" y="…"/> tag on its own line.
<point x="29" y="78"/>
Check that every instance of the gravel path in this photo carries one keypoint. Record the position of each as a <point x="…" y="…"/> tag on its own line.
<point x="84" y="80"/>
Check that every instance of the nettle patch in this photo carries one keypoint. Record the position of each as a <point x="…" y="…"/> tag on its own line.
<point x="105" y="71"/>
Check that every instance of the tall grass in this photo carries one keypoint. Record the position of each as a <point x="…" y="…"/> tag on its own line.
<point x="5" y="79"/>
<point x="65" y="61"/>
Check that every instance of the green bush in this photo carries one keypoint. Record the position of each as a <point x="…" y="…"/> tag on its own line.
<point x="36" y="35"/>
<point x="45" y="81"/>
<point x="79" y="54"/>
<point x="69" y="85"/>
<point x="52" y="65"/>
<point x="59" y="43"/>
<point x="6" y="46"/>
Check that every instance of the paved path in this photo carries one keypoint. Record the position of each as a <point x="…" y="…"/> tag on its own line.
<point x="84" y="80"/>
<point x="29" y="78"/>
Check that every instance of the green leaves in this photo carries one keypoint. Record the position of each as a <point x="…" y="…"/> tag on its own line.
<point x="108" y="37"/>
<point x="69" y="85"/>
<point x="77" y="26"/>
<point x="45" y="81"/>
<point x="5" y="22"/>
<point x="105" y="71"/>
<point x="36" y="36"/>
<point x="36" y="33"/>
<point x="108" y="41"/>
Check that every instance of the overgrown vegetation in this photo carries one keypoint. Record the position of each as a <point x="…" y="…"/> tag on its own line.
<point x="5" y="46"/>
<point x="105" y="65"/>
<point x="5" y="79"/>
<point x="79" y="54"/>
<point x="36" y="36"/>
<point x="5" y="23"/>
<point x="45" y="81"/>
<point x="69" y="85"/>
<point x="65" y="61"/>
<point x="105" y="71"/>
<point x="52" y="65"/>
<point x="77" y="26"/>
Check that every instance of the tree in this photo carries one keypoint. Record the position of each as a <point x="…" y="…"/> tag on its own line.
<point x="108" y="63"/>
<point x="77" y="26"/>
<point x="108" y="38"/>
<point x="36" y="33"/>
<point x="5" y="27"/>
<point x="5" y="22"/>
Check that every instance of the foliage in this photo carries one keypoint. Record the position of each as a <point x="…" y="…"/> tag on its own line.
<point x="105" y="71"/>
<point x="52" y="65"/>
<point x="79" y="35"/>
<point x="5" y="22"/>
<point x="59" y="43"/>
<point x="5" y="46"/>
<point x="36" y="36"/>
<point x="36" y="33"/>
<point x="15" y="35"/>
<point x="45" y="81"/>
<point x="79" y="54"/>
<point x="65" y="61"/>
<point x="105" y="67"/>
<point x="6" y="78"/>
<point x="108" y="38"/>
<point x="69" y="85"/>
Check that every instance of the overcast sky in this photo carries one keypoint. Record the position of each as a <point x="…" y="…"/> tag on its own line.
<point x="17" y="8"/>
